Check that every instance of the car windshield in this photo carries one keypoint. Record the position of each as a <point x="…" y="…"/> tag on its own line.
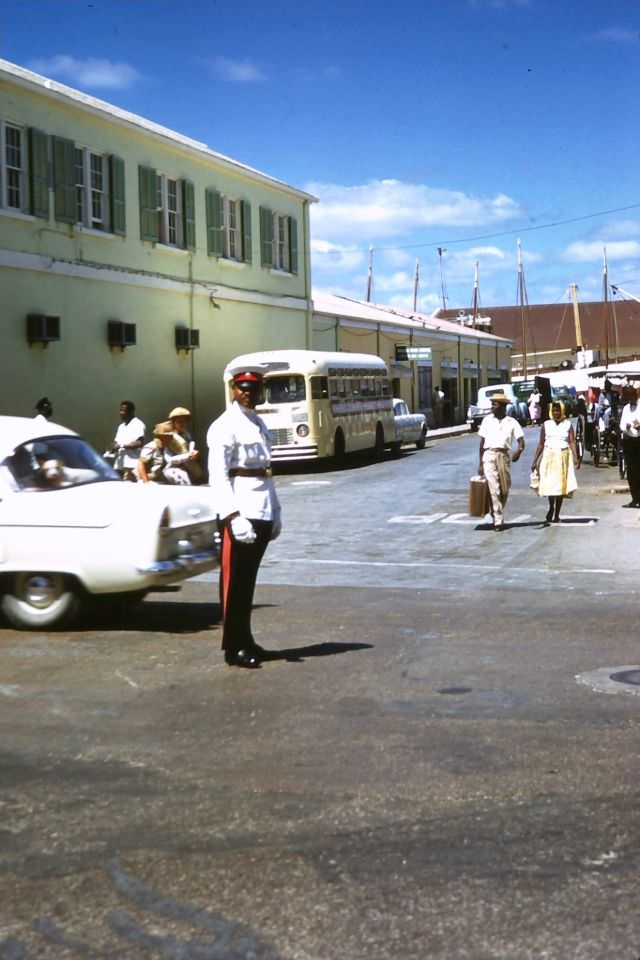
<point x="284" y="389"/>
<point x="54" y="463"/>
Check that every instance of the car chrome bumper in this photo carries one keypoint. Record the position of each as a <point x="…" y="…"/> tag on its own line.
<point x="180" y="564"/>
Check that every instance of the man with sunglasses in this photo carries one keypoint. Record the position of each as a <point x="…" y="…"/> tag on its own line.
<point x="248" y="509"/>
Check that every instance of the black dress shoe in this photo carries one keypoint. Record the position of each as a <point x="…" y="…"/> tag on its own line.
<point x="632" y="504"/>
<point x="242" y="658"/>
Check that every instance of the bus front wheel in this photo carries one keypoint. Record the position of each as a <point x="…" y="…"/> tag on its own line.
<point x="378" y="449"/>
<point x="338" y="448"/>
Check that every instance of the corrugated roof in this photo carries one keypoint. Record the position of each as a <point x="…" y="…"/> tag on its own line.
<point x="334" y="305"/>
<point x="550" y="326"/>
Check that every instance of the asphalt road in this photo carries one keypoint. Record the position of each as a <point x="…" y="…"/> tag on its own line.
<point x="436" y="766"/>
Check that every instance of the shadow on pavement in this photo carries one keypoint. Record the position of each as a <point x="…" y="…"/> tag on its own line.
<point x="299" y="654"/>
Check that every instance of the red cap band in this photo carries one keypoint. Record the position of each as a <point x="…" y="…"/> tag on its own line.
<point x="247" y="377"/>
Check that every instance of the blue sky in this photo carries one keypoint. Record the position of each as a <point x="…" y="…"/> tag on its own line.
<point x="460" y="124"/>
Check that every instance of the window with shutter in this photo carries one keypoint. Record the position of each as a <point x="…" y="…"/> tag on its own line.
<point x="266" y="237"/>
<point x="64" y="180"/>
<point x="39" y="172"/>
<point x="148" y="203"/>
<point x="118" y="201"/>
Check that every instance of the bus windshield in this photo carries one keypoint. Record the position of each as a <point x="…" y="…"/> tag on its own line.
<point x="284" y="389"/>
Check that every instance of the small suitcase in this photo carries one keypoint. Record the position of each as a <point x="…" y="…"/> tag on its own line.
<point x="478" y="497"/>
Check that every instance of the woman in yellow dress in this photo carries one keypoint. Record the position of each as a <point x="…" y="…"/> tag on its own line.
<point x="555" y="458"/>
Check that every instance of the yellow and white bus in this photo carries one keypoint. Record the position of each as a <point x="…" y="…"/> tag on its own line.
<point x="318" y="404"/>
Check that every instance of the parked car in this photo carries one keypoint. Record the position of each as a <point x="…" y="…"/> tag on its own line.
<point x="71" y="530"/>
<point x="517" y="407"/>
<point x="410" y="427"/>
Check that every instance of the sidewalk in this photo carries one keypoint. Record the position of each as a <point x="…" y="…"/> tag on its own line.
<point x="440" y="433"/>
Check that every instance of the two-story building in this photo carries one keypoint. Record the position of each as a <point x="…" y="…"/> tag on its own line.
<point x="134" y="261"/>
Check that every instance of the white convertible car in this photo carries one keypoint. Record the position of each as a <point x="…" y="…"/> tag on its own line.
<point x="71" y="530"/>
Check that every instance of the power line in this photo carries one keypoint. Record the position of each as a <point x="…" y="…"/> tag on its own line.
<point x="507" y="233"/>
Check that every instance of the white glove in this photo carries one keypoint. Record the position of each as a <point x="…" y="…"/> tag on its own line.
<point x="243" y="530"/>
<point x="276" y="529"/>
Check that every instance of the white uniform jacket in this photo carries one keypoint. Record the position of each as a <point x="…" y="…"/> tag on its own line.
<point x="239" y="439"/>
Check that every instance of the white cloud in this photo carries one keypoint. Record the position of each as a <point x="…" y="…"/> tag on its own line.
<point x="390" y="208"/>
<point x="238" y="71"/>
<point x="92" y="73"/>
<point x="585" y="252"/>
<point x="620" y="35"/>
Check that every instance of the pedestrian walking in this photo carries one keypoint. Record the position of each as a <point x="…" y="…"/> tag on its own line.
<point x="556" y="460"/>
<point x="630" y="426"/>
<point x="497" y="433"/>
<point x="535" y="406"/>
<point x="248" y="510"/>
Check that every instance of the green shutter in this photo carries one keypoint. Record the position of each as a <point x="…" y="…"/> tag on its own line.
<point x="293" y="245"/>
<point x="189" y="215"/>
<point x="213" y="205"/>
<point x="148" y="203"/>
<point x="39" y="173"/>
<point x="116" y="186"/>
<point x="64" y="179"/>
<point x="246" y="231"/>
<point x="266" y="237"/>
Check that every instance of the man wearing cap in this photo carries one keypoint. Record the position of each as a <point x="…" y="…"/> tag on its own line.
<point x="497" y="435"/>
<point x="248" y="509"/>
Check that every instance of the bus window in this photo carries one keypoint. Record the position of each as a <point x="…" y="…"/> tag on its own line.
<point x="285" y="389"/>
<point x="319" y="388"/>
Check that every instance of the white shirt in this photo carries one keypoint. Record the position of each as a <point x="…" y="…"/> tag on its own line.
<point x="630" y="415"/>
<point x="499" y="434"/>
<point x="129" y="433"/>
<point x="556" y="435"/>
<point x="239" y="439"/>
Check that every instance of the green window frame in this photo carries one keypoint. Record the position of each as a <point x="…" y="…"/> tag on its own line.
<point x="117" y="196"/>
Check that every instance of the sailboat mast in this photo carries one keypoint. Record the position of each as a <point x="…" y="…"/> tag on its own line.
<point x="443" y="290"/>
<point x="370" y="276"/>
<point x="521" y="299"/>
<point x="475" y="295"/>
<point x="605" y="297"/>
<point x="576" y="315"/>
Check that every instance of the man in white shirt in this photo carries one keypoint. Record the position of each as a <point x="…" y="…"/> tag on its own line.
<point x="128" y="441"/>
<point x="45" y="410"/>
<point x="248" y="510"/>
<point x="497" y="435"/>
<point x="630" y="427"/>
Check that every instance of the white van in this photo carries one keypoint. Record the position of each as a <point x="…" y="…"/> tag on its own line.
<point x="517" y="407"/>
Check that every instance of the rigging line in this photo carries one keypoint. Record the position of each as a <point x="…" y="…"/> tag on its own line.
<point x="507" y="233"/>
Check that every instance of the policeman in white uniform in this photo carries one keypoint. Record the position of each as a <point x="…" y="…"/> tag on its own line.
<point x="247" y="506"/>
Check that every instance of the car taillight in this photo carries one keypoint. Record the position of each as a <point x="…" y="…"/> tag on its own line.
<point x="165" y="520"/>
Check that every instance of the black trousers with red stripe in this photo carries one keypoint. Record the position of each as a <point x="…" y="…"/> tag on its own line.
<point x="239" y="565"/>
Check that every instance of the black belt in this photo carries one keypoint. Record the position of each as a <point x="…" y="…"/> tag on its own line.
<point x="258" y="472"/>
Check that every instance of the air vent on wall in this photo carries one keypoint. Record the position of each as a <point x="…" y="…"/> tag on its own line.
<point x="42" y="328"/>
<point x="120" y="334"/>
<point x="187" y="339"/>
